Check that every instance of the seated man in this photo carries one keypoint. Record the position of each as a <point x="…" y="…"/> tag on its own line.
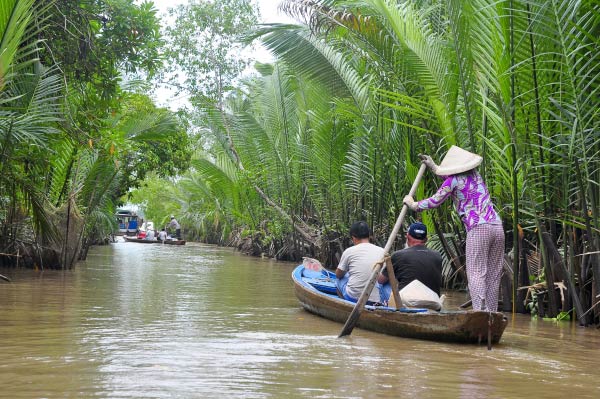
<point x="416" y="262"/>
<point x="162" y="235"/>
<point x="356" y="265"/>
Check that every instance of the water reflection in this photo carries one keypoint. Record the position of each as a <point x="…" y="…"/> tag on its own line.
<point x="199" y="321"/>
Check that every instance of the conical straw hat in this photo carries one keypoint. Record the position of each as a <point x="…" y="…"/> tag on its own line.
<point x="457" y="161"/>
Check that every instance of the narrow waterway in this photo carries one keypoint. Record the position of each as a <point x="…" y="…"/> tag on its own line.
<point x="153" y="321"/>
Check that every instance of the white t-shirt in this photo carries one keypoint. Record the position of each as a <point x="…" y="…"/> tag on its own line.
<point x="358" y="262"/>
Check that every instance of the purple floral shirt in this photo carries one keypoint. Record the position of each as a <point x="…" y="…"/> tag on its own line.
<point x="470" y="196"/>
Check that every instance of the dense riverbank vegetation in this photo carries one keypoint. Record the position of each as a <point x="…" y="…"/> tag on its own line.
<point x="329" y="133"/>
<point x="76" y="127"/>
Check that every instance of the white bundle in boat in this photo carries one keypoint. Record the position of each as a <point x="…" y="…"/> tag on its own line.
<point x="418" y="295"/>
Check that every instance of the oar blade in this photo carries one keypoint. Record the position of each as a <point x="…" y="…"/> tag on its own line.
<point x="351" y="322"/>
<point x="362" y="301"/>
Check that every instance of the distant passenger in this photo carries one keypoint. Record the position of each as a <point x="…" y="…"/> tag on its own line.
<point x="162" y="235"/>
<point x="150" y="235"/>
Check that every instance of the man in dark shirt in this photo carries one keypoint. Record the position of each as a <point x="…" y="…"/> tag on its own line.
<point x="415" y="262"/>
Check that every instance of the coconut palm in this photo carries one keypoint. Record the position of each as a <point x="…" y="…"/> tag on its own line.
<point x="331" y="132"/>
<point x="29" y="109"/>
<point x="492" y="78"/>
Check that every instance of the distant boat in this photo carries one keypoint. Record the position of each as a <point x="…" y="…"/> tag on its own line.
<point x="128" y="222"/>
<point x="317" y="294"/>
<point x="144" y="241"/>
<point x="172" y="242"/>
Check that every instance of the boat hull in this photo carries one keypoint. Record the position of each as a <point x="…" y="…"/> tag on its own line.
<point x="446" y="326"/>
<point x="172" y="242"/>
<point x="139" y="240"/>
<point x="142" y="241"/>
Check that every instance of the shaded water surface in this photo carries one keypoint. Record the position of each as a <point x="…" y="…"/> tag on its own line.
<point x="152" y="321"/>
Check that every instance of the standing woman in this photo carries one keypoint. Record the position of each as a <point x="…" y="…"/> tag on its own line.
<point x="485" y="235"/>
<point x="174" y="224"/>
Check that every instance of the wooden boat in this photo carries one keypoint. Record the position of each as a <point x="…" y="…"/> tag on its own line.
<point x="143" y="241"/>
<point x="172" y="242"/>
<point x="139" y="240"/>
<point x="316" y="292"/>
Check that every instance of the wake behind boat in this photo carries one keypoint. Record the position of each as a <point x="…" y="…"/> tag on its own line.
<point x="154" y="241"/>
<point x="317" y="294"/>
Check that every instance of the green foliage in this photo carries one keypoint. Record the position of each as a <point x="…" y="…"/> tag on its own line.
<point x="562" y="316"/>
<point x="95" y="44"/>
<point x="532" y="304"/>
<point x="331" y="132"/>
<point x="204" y="54"/>
<point x="157" y="199"/>
<point x="96" y="41"/>
<point x="144" y="139"/>
<point x="72" y="140"/>
<point x="29" y="110"/>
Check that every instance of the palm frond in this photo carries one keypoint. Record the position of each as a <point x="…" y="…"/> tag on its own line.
<point x="15" y="16"/>
<point x="317" y="60"/>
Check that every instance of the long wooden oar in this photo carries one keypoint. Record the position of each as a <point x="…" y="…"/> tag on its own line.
<point x="360" y="304"/>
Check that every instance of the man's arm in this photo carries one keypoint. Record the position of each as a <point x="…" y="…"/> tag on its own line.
<point x="342" y="267"/>
<point x="383" y="277"/>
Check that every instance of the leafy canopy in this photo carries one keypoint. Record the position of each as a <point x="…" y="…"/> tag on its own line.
<point x="204" y="53"/>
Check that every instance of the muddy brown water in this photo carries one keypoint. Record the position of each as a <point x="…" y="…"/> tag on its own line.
<point x="152" y="321"/>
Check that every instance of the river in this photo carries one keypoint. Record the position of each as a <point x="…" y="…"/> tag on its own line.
<point x="199" y="321"/>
